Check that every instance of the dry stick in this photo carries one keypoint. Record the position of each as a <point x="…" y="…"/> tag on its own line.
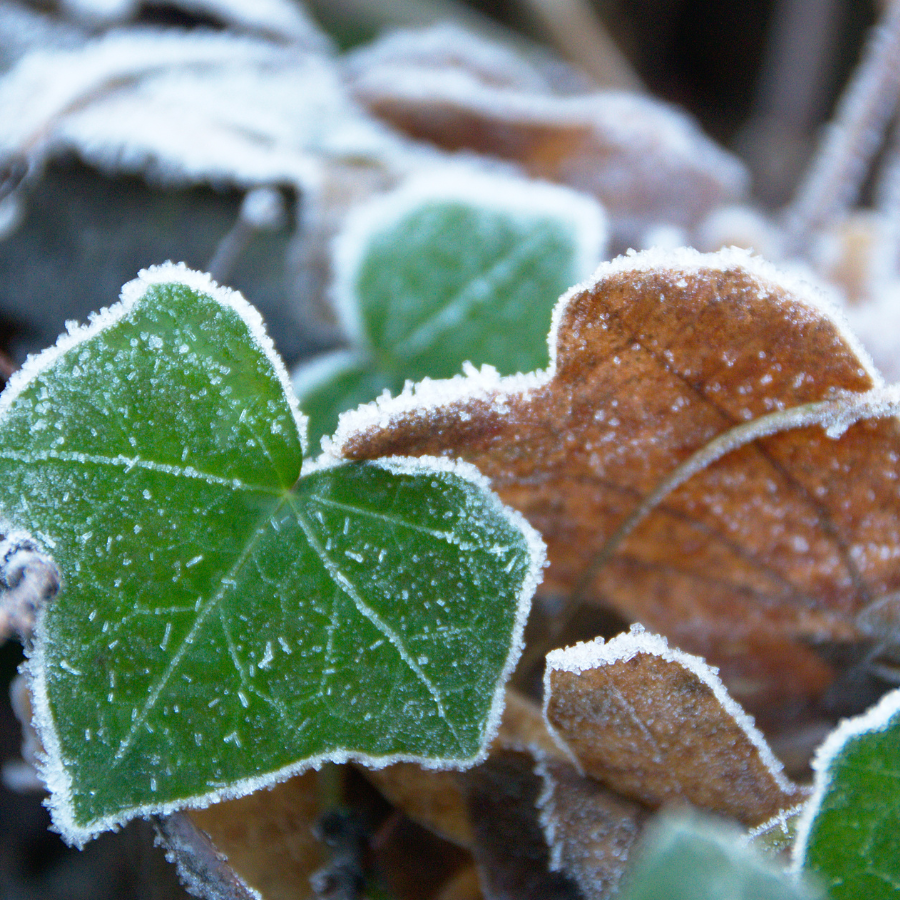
<point x="887" y="199"/>
<point x="851" y="139"/>
<point x="835" y="416"/>
<point x="790" y="94"/>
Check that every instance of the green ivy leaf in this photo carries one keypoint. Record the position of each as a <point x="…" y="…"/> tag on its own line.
<point x="850" y="832"/>
<point x="690" y="857"/>
<point x="227" y="620"/>
<point x="448" y="269"/>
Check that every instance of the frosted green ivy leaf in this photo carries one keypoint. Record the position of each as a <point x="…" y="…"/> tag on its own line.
<point x="849" y="833"/>
<point x="454" y="266"/>
<point x="226" y="619"/>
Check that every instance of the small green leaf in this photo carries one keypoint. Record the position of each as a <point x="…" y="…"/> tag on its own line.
<point x="694" y="858"/>
<point x="226" y="620"/>
<point x="850" y="831"/>
<point x="456" y="267"/>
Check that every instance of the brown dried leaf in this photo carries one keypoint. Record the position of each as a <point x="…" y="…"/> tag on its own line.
<point x="589" y="828"/>
<point x="267" y="836"/>
<point x="754" y="562"/>
<point x="657" y="725"/>
<point x="646" y="162"/>
<point x="433" y="798"/>
<point x="510" y="849"/>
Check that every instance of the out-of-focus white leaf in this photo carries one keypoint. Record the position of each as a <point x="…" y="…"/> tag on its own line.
<point x="187" y="106"/>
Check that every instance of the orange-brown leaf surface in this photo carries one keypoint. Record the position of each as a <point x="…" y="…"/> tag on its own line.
<point x="763" y="561"/>
<point x="434" y="798"/>
<point x="647" y="162"/>
<point x="657" y="725"/>
<point x="268" y="838"/>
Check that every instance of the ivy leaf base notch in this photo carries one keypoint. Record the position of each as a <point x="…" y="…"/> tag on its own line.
<point x="226" y="620"/>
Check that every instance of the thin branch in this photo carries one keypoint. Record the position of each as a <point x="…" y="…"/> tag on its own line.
<point x="852" y="139"/>
<point x="577" y="32"/>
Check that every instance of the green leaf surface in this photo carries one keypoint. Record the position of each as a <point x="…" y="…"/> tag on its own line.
<point x="850" y="833"/>
<point x="693" y="858"/>
<point x="453" y="268"/>
<point x="226" y="620"/>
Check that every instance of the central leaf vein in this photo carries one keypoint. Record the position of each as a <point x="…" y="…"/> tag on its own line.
<point x="226" y="583"/>
<point x="127" y="463"/>
<point x="446" y="536"/>
<point x="396" y="641"/>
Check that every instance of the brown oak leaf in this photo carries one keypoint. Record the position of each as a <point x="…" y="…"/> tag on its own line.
<point x="765" y="561"/>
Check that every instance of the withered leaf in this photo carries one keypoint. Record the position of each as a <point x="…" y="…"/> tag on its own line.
<point x="646" y="162"/>
<point x="509" y="849"/>
<point x="267" y="836"/>
<point x="657" y="725"/>
<point x="589" y="828"/>
<point x="434" y="798"/>
<point x="757" y="562"/>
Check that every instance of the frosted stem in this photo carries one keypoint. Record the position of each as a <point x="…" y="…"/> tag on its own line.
<point x="851" y="139"/>
<point x="835" y="416"/>
<point x="887" y="198"/>
<point x="577" y="31"/>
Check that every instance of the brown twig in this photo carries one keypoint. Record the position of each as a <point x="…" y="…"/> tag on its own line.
<point x="851" y="140"/>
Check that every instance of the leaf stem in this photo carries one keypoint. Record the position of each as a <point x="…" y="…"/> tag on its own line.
<point x="835" y="416"/>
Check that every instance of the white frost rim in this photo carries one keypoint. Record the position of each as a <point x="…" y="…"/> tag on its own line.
<point x="595" y="654"/>
<point x="52" y="766"/>
<point x="873" y="720"/>
<point x="132" y="292"/>
<point x="491" y="191"/>
<point x="487" y="385"/>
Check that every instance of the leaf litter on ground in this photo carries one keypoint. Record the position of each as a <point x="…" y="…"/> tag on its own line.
<point x="646" y="162"/>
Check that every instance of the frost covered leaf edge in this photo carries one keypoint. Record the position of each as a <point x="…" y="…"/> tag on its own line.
<point x="52" y="763"/>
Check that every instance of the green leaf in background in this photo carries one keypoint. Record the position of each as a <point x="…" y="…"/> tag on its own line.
<point x="451" y="267"/>
<point x="850" y="832"/>
<point x="689" y="857"/>
<point x="225" y="620"/>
